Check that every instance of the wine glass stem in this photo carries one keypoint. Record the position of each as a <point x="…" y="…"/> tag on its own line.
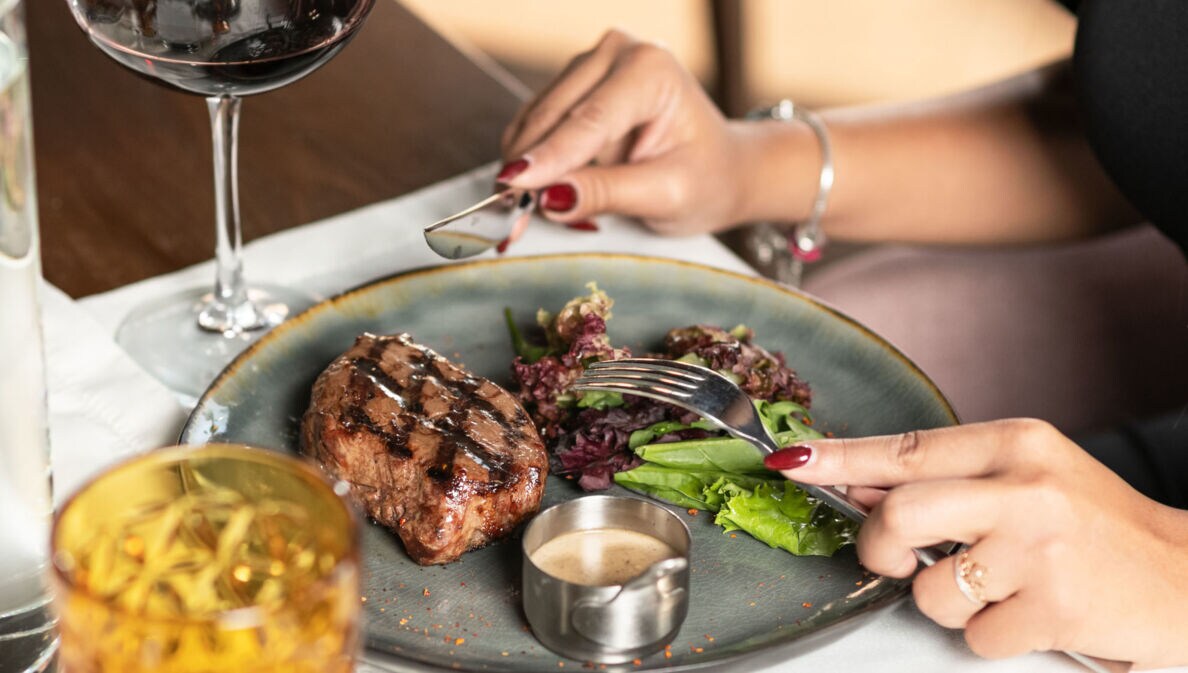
<point x="230" y="310"/>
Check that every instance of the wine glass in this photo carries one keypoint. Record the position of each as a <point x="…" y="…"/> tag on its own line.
<point x="222" y="50"/>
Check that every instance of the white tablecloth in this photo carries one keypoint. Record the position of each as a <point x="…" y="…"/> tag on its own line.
<point x="103" y="406"/>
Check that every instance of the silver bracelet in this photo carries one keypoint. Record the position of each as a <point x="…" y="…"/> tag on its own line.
<point x="807" y="241"/>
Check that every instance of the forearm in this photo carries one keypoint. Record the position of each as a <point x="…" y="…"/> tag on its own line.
<point x="1004" y="164"/>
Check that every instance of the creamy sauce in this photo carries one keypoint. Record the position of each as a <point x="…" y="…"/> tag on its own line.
<point x="600" y="557"/>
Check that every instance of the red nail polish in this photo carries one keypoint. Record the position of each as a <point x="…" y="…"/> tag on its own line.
<point x="511" y="170"/>
<point x="809" y="256"/>
<point x="560" y="198"/>
<point x="584" y="225"/>
<point x="502" y="247"/>
<point x="789" y="458"/>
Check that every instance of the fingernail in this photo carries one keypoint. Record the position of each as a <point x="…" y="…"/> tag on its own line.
<point x="584" y="225"/>
<point x="511" y="170"/>
<point x="502" y="247"/>
<point x="789" y="458"/>
<point x="560" y="198"/>
<point x="805" y="255"/>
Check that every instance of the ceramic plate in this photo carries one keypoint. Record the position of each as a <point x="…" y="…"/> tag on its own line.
<point x="747" y="600"/>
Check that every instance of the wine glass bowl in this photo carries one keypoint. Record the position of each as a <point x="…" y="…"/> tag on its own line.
<point x="222" y="50"/>
<point x="221" y="47"/>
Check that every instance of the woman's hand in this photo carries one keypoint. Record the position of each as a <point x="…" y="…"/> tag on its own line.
<point x="626" y="129"/>
<point x="1074" y="558"/>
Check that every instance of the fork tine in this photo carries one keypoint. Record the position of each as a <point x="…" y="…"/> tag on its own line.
<point x="633" y="387"/>
<point x="655" y="363"/>
<point x="683" y="402"/>
<point x="670" y="367"/>
<point x="677" y="365"/>
<point x="643" y="378"/>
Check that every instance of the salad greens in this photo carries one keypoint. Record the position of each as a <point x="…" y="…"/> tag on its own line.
<point x="727" y="476"/>
<point x="785" y="517"/>
<point x="788" y="422"/>
<point x="664" y="451"/>
<point x="690" y="489"/>
<point x="524" y="350"/>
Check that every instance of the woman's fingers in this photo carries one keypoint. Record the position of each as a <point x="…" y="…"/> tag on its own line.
<point x="518" y="229"/>
<point x="630" y="96"/>
<point x="866" y="496"/>
<point x="534" y="120"/>
<point x="647" y="189"/>
<point x="946" y="453"/>
<point x="926" y="513"/>
<point x="994" y="571"/>
<point x="1017" y="626"/>
<point x="594" y="143"/>
<point x="1054" y="535"/>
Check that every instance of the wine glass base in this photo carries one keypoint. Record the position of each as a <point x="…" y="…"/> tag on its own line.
<point x="164" y="336"/>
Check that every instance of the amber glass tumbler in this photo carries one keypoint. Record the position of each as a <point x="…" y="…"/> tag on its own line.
<point x="215" y="558"/>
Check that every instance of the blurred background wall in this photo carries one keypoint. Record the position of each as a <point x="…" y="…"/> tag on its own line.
<point x="818" y="52"/>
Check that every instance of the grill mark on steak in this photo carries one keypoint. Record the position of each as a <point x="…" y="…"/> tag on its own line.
<point x="356" y="418"/>
<point x="464" y="393"/>
<point x="370" y="369"/>
<point x="396" y="439"/>
<point x="462" y="464"/>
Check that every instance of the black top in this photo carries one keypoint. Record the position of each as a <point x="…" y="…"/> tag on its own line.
<point x="1130" y="65"/>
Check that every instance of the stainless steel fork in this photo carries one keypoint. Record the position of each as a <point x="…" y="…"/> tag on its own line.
<point x="717" y="399"/>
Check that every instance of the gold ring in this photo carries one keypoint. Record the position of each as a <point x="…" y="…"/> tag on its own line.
<point x="971" y="578"/>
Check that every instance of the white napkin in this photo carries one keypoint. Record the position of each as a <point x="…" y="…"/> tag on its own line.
<point x="102" y="405"/>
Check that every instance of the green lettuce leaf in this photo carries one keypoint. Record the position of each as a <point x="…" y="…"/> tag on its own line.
<point x="785" y="517"/>
<point x="599" y="399"/>
<point x="528" y="352"/>
<point x="715" y="454"/>
<point x="785" y="417"/>
<point x="720" y="454"/>
<point x="649" y="434"/>
<point x="688" y="489"/>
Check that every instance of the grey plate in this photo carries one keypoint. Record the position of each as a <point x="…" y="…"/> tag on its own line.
<point x="747" y="600"/>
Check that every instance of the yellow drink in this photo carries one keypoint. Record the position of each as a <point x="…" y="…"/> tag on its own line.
<point x="218" y="559"/>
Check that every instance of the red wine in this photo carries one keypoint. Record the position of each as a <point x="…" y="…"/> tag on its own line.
<point x="221" y="47"/>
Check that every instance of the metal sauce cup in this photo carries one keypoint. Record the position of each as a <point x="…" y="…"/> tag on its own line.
<point x="609" y="624"/>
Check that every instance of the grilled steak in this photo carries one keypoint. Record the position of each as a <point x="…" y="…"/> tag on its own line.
<point x="447" y="460"/>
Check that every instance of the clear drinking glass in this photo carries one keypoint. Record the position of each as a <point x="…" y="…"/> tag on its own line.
<point x="212" y="558"/>
<point x="27" y="637"/>
<point x="222" y="50"/>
